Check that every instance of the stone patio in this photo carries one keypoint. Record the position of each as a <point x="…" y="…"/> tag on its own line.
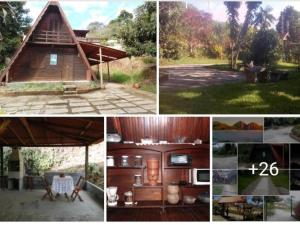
<point x="28" y="206"/>
<point x="113" y="100"/>
<point x="194" y="76"/>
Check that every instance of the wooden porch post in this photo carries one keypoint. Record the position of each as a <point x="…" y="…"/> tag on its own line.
<point x="108" y="72"/>
<point x="2" y="167"/>
<point x="101" y="68"/>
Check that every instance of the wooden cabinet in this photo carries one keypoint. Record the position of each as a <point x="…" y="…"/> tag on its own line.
<point x="147" y="196"/>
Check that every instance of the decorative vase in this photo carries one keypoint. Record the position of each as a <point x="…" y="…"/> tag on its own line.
<point x="152" y="171"/>
<point x="173" y="194"/>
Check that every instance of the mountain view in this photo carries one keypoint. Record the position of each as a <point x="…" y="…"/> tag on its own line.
<point x="240" y="125"/>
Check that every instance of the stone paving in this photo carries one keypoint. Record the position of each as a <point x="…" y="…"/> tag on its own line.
<point x="193" y="76"/>
<point x="113" y="100"/>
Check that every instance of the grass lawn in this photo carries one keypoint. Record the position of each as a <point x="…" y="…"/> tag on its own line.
<point x="35" y="87"/>
<point x="281" y="180"/>
<point x="123" y="78"/>
<point x="245" y="178"/>
<point x="140" y="70"/>
<point x="217" y="189"/>
<point x="281" y="97"/>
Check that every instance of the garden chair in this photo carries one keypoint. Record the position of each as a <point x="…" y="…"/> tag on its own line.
<point x="77" y="189"/>
<point x="47" y="187"/>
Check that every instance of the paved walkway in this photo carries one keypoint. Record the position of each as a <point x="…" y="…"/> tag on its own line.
<point x="113" y="100"/>
<point x="280" y="135"/>
<point x="193" y="76"/>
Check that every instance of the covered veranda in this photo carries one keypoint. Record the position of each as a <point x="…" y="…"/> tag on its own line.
<point x="24" y="202"/>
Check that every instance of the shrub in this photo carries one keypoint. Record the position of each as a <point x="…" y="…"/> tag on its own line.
<point x="264" y="49"/>
<point x="296" y="131"/>
<point x="37" y="161"/>
<point x="119" y="77"/>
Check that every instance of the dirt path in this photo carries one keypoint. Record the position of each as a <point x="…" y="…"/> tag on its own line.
<point x="280" y="135"/>
<point x="225" y="162"/>
<point x="192" y="76"/>
<point x="264" y="186"/>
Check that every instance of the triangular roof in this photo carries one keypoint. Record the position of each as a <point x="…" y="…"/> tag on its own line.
<point x="29" y="34"/>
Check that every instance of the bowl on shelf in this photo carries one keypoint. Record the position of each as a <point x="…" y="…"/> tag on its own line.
<point x="187" y="199"/>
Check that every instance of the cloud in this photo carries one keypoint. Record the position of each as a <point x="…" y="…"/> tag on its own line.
<point x="83" y="6"/>
<point x="95" y="15"/>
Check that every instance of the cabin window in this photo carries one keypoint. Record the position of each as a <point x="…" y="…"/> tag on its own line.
<point x="53" y="59"/>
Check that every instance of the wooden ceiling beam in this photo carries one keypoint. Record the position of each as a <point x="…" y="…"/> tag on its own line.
<point x="16" y="134"/>
<point x="27" y="126"/>
<point x="86" y="127"/>
<point x="3" y="140"/>
<point x="80" y="139"/>
<point x="4" y="125"/>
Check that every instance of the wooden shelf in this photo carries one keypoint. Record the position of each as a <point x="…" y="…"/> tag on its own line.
<point x="181" y="204"/>
<point x="140" y="204"/>
<point x="126" y="167"/>
<point x="178" y="167"/>
<point x="159" y="185"/>
<point x="193" y="186"/>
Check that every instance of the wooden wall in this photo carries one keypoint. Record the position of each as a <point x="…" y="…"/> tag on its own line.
<point x="160" y="128"/>
<point x="34" y="64"/>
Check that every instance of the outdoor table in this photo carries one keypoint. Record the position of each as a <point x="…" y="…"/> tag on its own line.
<point x="62" y="185"/>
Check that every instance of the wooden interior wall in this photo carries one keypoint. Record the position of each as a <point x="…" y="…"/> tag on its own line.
<point x="160" y="128"/>
<point x="34" y="64"/>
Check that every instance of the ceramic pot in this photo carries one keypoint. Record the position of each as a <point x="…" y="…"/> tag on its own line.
<point x="173" y="198"/>
<point x="173" y="193"/>
<point x="173" y="189"/>
<point x="153" y="164"/>
<point x="152" y="171"/>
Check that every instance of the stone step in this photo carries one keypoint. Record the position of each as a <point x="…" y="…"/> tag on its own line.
<point x="69" y="87"/>
<point x="70" y="92"/>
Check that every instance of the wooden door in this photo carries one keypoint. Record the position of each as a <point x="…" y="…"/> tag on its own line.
<point x="67" y="68"/>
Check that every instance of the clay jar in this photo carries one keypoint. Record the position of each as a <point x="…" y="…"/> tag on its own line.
<point x="152" y="171"/>
<point x="173" y="193"/>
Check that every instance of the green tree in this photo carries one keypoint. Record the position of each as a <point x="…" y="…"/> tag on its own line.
<point x="288" y="22"/>
<point x="264" y="18"/>
<point x="138" y="34"/>
<point x="170" y="35"/>
<point x="233" y="20"/>
<point x="197" y="28"/>
<point x="238" y="39"/>
<point x="265" y="48"/>
<point x="251" y="8"/>
<point x="14" y="23"/>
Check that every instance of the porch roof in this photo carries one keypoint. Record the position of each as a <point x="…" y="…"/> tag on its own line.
<point x="233" y="199"/>
<point x="91" y="51"/>
<point x="51" y="131"/>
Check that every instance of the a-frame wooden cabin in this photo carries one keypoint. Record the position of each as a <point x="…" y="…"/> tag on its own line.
<point x="52" y="51"/>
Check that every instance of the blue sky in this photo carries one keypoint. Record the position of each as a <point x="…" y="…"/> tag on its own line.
<point x="81" y="13"/>
<point x="218" y="9"/>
